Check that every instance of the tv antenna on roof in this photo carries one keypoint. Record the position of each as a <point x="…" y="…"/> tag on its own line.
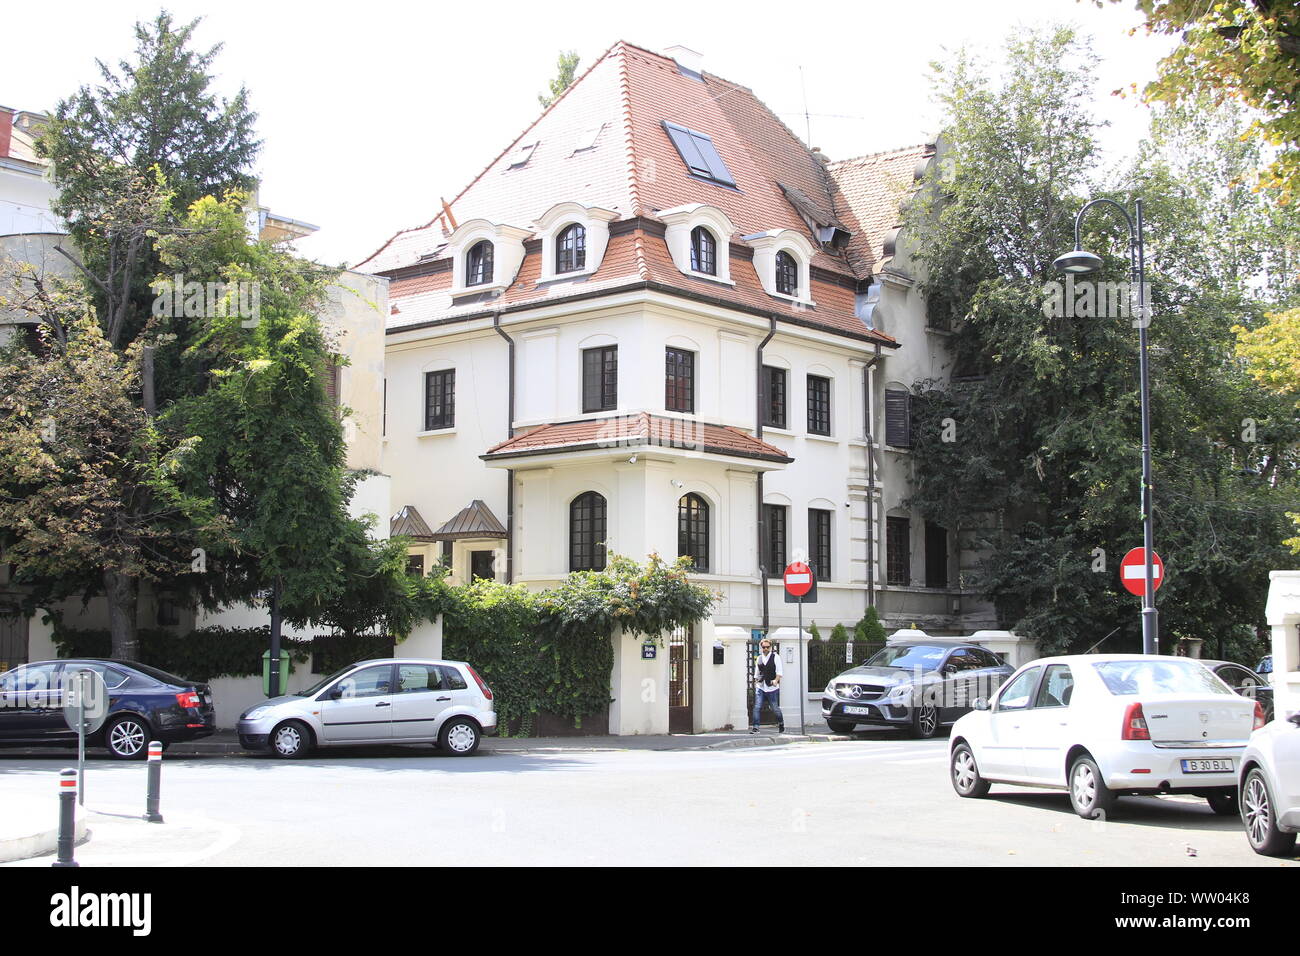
<point x="807" y="117"/>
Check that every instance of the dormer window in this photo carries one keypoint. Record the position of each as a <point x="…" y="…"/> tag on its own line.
<point x="787" y="274"/>
<point x="571" y="249"/>
<point x="704" y="251"/>
<point x="478" y="264"/>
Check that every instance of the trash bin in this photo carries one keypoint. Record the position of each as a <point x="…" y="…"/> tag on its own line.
<point x="266" y="671"/>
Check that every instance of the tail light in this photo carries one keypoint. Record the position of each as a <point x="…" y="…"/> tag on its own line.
<point x="1135" y="724"/>
<point x="187" y="698"/>
<point x="487" y="691"/>
<point x="1260" y="719"/>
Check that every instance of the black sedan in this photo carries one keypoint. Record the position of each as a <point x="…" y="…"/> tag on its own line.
<point x="144" y="704"/>
<point x="1246" y="682"/>
<point x="921" y="686"/>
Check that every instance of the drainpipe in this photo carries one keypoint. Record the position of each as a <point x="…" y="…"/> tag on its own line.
<point x="762" y="513"/>
<point x="510" y="433"/>
<point x="871" y="478"/>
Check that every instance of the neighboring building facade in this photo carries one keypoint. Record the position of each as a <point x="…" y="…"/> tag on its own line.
<point x="658" y="323"/>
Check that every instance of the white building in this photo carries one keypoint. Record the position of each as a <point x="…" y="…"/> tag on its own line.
<point x="658" y="323"/>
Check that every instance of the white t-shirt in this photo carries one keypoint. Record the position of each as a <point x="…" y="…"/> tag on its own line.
<point x="758" y="670"/>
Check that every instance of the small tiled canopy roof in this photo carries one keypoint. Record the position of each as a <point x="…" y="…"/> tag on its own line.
<point x="409" y="524"/>
<point x="632" y="431"/>
<point x="476" y="521"/>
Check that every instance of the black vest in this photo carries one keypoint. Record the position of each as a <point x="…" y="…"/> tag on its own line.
<point x="768" y="671"/>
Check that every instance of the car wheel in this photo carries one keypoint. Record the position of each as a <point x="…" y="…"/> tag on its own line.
<point x="291" y="740"/>
<point x="459" y="737"/>
<point x="840" y="726"/>
<point x="127" y="738"/>
<point x="925" y="721"/>
<point x="1258" y="813"/>
<point x="1089" y="795"/>
<point x="1224" y="802"/>
<point x="966" y="779"/>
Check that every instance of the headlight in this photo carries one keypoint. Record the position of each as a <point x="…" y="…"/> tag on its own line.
<point x="830" y="689"/>
<point x="900" y="691"/>
<point x="256" y="712"/>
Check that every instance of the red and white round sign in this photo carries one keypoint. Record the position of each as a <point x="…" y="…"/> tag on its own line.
<point x="798" y="578"/>
<point x="1132" y="572"/>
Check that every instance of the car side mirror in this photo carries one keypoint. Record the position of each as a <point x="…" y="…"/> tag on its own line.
<point x="981" y="703"/>
<point x="336" y="693"/>
<point x="948" y="670"/>
<point x="1295" y="719"/>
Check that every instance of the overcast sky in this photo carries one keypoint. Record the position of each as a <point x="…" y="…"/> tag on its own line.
<point x="371" y="111"/>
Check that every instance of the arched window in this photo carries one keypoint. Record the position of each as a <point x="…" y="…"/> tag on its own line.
<point x="693" y="530"/>
<point x="587" y="532"/>
<point x="787" y="274"/>
<point x="704" y="251"/>
<point x="478" y="264"/>
<point x="571" y="249"/>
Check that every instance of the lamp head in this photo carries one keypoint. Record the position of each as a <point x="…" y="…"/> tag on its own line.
<point x="1077" y="263"/>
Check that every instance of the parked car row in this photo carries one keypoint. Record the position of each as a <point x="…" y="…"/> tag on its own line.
<point x="445" y="703"/>
<point x="1104" y="726"/>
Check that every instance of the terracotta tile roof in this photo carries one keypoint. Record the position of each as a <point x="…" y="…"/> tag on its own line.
<point x="869" y="191"/>
<point x="636" y="431"/>
<point x="635" y="170"/>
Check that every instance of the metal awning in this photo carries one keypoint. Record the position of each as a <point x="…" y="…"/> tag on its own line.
<point x="408" y="523"/>
<point x="476" y="521"/>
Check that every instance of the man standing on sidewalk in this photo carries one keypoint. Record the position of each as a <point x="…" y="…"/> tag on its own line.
<point x="767" y="686"/>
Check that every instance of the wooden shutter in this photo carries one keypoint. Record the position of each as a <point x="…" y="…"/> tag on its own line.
<point x="898" y="418"/>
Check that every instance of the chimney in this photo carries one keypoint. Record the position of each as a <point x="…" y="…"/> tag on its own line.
<point x="6" y="130"/>
<point x="688" y="61"/>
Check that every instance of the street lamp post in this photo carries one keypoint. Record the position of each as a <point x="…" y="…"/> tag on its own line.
<point x="1080" y="262"/>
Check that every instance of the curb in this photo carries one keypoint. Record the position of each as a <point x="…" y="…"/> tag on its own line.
<point x="42" y="843"/>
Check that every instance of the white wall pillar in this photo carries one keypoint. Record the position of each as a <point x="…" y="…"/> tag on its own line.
<point x="425" y="640"/>
<point x="794" y="662"/>
<point x="639" y="688"/>
<point x="728" y="702"/>
<point x="1283" y="615"/>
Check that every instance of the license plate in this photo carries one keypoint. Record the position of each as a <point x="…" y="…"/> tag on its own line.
<point x="857" y="710"/>
<point x="1207" y="766"/>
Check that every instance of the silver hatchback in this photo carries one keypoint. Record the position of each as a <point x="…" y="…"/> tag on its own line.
<point x="403" y="701"/>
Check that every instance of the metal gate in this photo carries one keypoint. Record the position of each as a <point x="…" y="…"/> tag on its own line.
<point x="681" y="689"/>
<point x="13" y="641"/>
<point x="826" y="659"/>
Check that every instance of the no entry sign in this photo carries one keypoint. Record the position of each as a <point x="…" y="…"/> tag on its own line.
<point x="1132" y="572"/>
<point x="798" y="578"/>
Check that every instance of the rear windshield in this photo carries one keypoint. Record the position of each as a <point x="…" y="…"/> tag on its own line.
<point x="1124" y="678"/>
<point x="156" y="674"/>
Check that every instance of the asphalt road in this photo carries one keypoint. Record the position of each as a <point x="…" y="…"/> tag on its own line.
<point x="875" y="802"/>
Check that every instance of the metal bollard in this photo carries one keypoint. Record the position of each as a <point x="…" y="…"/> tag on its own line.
<point x="155" y="783"/>
<point x="67" y="817"/>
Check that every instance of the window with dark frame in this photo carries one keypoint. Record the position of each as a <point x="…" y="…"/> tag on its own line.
<point x="819" y="542"/>
<point x="440" y="399"/>
<point x="571" y="249"/>
<point x="777" y="553"/>
<point x="774" y="380"/>
<point x="693" y="531"/>
<point x="679" y="380"/>
<point x="699" y="154"/>
<point x="482" y="566"/>
<point x="936" y="556"/>
<point x="819" y="405"/>
<point x="587" y="514"/>
<point x="331" y="380"/>
<point x="600" y="379"/>
<point x="415" y="565"/>
<point x="478" y="264"/>
<point x="787" y="274"/>
<point x="704" y="251"/>
<point x="898" y="418"/>
<point x="898" y="551"/>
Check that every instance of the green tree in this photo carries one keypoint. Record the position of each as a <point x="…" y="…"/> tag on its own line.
<point x="566" y="67"/>
<point x="1043" y="477"/>
<point x="1247" y="50"/>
